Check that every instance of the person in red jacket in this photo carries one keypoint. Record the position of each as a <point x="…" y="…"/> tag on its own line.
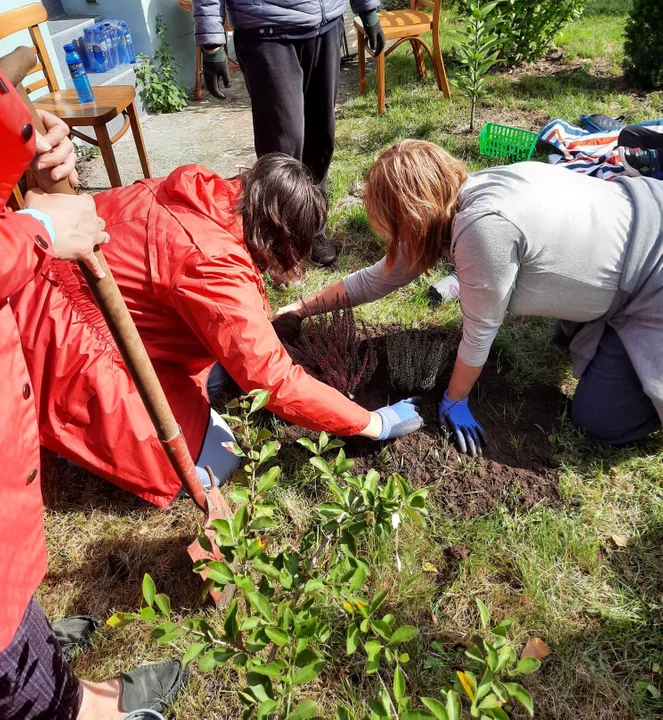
<point x="188" y="254"/>
<point x="35" y="680"/>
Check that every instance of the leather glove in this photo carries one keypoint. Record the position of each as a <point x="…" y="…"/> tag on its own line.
<point x="455" y="415"/>
<point x="215" y="67"/>
<point x="374" y="31"/>
<point x="400" y="419"/>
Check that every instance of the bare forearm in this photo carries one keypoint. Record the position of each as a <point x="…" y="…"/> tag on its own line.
<point x="320" y="302"/>
<point x="374" y="427"/>
<point x="462" y="380"/>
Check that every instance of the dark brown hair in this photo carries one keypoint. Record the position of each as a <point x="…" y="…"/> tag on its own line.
<point x="283" y="210"/>
<point x="411" y="196"/>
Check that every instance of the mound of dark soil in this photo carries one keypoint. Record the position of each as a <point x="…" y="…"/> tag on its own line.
<point x="518" y="463"/>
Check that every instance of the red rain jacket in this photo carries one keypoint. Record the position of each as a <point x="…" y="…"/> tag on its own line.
<point x="178" y="255"/>
<point x="24" y="251"/>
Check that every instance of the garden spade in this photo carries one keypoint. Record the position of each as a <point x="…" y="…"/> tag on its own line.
<point x="16" y="66"/>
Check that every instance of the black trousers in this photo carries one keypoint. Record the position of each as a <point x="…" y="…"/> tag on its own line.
<point x="293" y="86"/>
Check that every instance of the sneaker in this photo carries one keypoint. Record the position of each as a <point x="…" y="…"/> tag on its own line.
<point x="75" y="633"/>
<point x="642" y="163"/>
<point x="323" y="252"/>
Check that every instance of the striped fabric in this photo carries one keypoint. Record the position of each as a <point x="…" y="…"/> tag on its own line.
<point x="594" y="154"/>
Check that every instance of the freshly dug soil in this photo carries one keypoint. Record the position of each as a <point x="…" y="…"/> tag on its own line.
<point x="518" y="463"/>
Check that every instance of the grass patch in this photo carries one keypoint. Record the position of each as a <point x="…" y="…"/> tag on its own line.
<point x="597" y="605"/>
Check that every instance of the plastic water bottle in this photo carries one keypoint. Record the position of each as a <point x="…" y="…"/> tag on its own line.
<point x="129" y="41"/>
<point x="79" y="46"/>
<point x="78" y="74"/>
<point x="111" y="45"/>
<point x="99" y="48"/>
<point x="122" y="49"/>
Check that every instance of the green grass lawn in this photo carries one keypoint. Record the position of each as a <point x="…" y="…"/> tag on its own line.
<point x="597" y="605"/>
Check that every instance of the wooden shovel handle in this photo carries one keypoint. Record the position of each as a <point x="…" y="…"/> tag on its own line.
<point x="111" y="303"/>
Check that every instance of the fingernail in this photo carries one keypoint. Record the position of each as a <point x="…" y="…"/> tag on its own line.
<point x="57" y="176"/>
<point x="42" y="145"/>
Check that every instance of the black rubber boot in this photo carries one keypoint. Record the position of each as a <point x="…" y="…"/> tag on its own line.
<point x="323" y="252"/>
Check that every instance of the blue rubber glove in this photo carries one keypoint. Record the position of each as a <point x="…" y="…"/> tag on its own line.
<point x="400" y="419"/>
<point x="456" y="415"/>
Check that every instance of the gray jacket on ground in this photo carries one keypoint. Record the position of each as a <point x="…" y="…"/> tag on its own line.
<point x="537" y="239"/>
<point x="279" y="19"/>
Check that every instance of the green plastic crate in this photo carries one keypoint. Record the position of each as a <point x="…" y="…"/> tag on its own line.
<point x="507" y="143"/>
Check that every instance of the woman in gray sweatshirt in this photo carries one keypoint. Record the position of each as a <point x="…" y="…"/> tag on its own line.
<point x="533" y="239"/>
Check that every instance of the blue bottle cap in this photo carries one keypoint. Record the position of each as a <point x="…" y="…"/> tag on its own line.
<point x="70" y="47"/>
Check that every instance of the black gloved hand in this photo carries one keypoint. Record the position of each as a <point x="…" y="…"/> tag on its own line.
<point x="215" y="67"/>
<point x="374" y="32"/>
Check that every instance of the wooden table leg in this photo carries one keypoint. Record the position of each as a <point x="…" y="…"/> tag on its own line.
<point x="108" y="155"/>
<point x="138" y="139"/>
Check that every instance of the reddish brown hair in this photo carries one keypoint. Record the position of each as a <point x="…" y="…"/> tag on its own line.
<point x="411" y="196"/>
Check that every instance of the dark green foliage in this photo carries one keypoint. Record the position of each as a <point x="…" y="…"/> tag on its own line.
<point x="159" y="87"/>
<point x="329" y="350"/>
<point x="478" y="53"/>
<point x="415" y="358"/>
<point x="644" y="44"/>
<point x="276" y="630"/>
<point x="527" y="28"/>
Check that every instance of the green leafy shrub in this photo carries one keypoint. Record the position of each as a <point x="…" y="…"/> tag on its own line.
<point x="415" y="358"/>
<point x="490" y="693"/>
<point x="644" y="44"/>
<point x="477" y="53"/>
<point x="158" y="85"/>
<point x="527" y="28"/>
<point x="275" y="630"/>
<point x="328" y="348"/>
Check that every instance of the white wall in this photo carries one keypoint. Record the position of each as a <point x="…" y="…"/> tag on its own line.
<point x="140" y="16"/>
<point x="23" y="38"/>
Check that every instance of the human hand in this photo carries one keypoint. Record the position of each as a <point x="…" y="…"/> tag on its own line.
<point x="400" y="419"/>
<point x="295" y="309"/>
<point x="374" y="32"/>
<point x="288" y="327"/>
<point x="56" y="156"/>
<point x="456" y="416"/>
<point x="215" y="66"/>
<point x="77" y="227"/>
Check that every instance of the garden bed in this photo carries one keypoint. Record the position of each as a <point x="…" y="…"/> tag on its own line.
<point x="518" y="463"/>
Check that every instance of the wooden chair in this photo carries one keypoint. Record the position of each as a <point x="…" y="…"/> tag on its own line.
<point x="109" y="101"/>
<point x="405" y="26"/>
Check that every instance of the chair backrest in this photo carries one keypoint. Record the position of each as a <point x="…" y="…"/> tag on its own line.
<point x="434" y="5"/>
<point x="28" y="17"/>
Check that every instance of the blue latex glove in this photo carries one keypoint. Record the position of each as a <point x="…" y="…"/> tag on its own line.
<point x="400" y="419"/>
<point x="456" y="415"/>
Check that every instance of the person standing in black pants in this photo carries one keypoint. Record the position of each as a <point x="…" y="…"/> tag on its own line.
<point x="289" y="53"/>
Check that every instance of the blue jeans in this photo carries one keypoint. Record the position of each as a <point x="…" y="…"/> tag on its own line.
<point x="223" y="462"/>
<point x="609" y="402"/>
